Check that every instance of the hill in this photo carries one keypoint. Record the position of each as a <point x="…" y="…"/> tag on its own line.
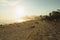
<point x="31" y="30"/>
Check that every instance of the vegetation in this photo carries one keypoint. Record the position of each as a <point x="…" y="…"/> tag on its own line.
<point x="54" y="15"/>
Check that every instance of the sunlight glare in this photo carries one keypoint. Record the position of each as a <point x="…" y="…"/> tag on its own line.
<point x="19" y="11"/>
<point x="21" y="20"/>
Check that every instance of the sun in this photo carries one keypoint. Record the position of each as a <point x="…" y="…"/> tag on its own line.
<point x="19" y="11"/>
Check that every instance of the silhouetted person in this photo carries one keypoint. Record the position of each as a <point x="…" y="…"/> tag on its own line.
<point x="50" y="14"/>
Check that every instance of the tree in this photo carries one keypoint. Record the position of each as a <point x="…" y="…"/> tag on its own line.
<point x="55" y="15"/>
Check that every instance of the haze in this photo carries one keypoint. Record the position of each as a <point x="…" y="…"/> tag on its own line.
<point x="26" y="7"/>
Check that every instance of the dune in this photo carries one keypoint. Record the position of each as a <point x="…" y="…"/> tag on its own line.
<point x="31" y="30"/>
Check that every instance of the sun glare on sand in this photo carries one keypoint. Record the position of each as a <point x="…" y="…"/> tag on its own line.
<point x="21" y="20"/>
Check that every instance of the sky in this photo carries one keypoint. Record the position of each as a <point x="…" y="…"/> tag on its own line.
<point x="32" y="7"/>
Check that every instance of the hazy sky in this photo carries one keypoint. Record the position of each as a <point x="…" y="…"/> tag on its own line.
<point x="33" y="7"/>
